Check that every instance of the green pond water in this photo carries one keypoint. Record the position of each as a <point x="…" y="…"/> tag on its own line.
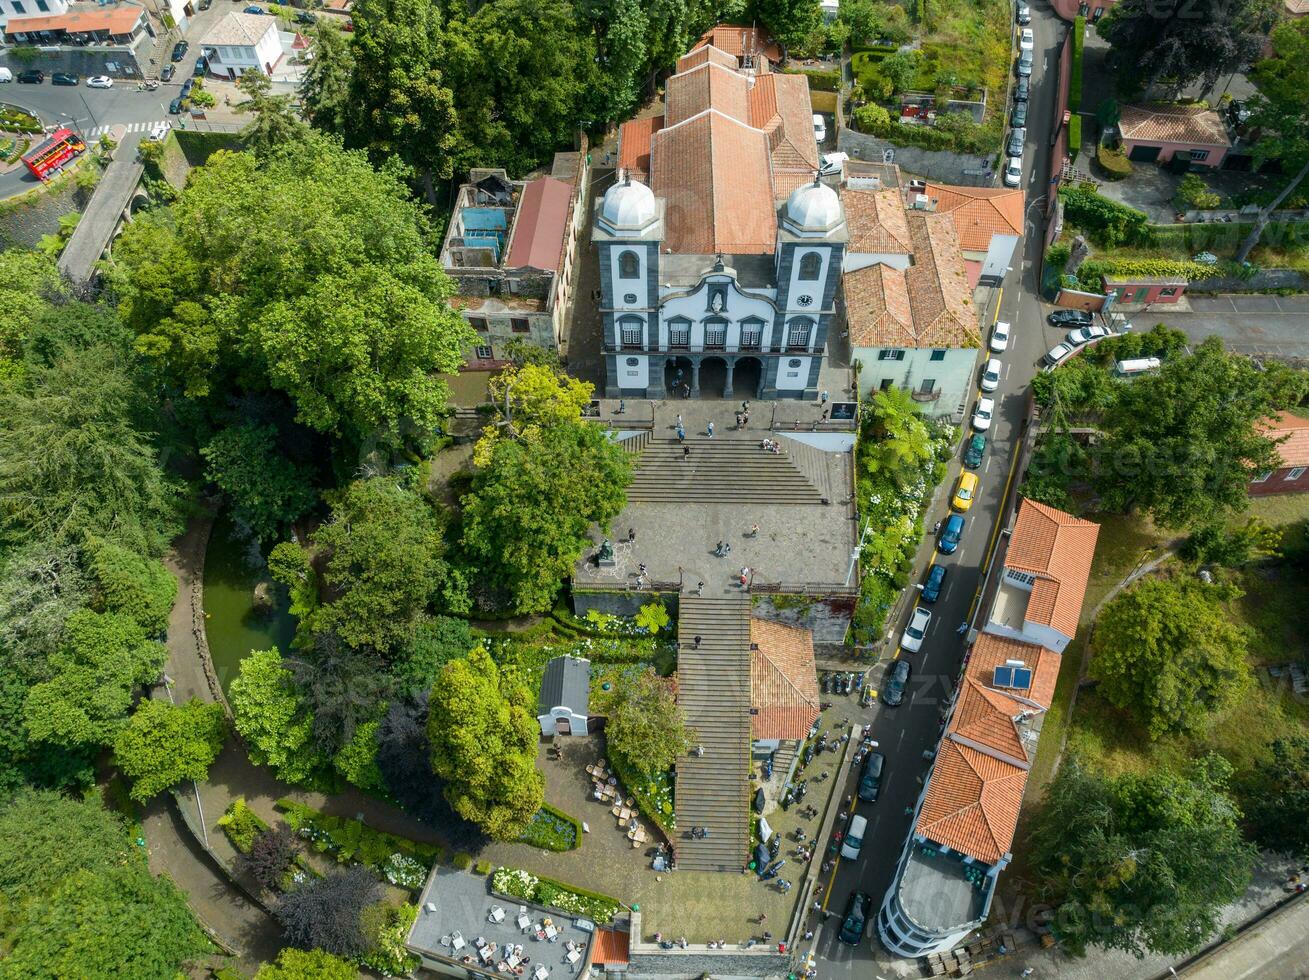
<point x="234" y="565"/>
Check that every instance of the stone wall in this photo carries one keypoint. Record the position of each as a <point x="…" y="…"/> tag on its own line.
<point x="1264" y="279"/>
<point x="939" y="165"/>
<point x="828" y="618"/>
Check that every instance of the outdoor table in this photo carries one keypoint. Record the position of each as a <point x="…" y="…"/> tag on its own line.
<point x="540" y="973"/>
<point x="497" y="914"/>
<point x="551" y="932"/>
<point x="486" y="953"/>
<point x="574" y="956"/>
<point x="523" y="921"/>
<point x="457" y="943"/>
<point x="512" y="961"/>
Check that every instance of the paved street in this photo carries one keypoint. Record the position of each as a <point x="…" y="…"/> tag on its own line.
<point x="1250" y="324"/>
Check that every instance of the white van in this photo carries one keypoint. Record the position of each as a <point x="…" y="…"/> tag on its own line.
<point x="854" y="837"/>
<point x="1135" y="366"/>
<point x="6" y="75"/>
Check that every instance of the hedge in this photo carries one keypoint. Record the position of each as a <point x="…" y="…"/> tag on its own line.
<point x="1107" y="223"/>
<point x="1075" y="76"/>
<point x="517" y="883"/>
<point x="822" y="81"/>
<point x="552" y="829"/>
<point x="1074" y="136"/>
<point x="1113" y="163"/>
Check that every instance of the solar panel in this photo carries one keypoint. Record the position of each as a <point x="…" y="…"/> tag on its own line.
<point x="1012" y="676"/>
<point x="1003" y="677"/>
<point x="1022" y="677"/>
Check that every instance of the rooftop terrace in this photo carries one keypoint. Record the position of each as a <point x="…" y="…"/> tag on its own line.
<point x="939" y="891"/>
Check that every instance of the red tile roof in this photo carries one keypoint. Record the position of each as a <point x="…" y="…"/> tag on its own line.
<point x="944" y="315"/>
<point x="540" y="225"/>
<point x="610" y="948"/>
<point x="738" y="39"/>
<point x="708" y="86"/>
<point x="706" y="54"/>
<point x="979" y="212"/>
<point x="992" y="650"/>
<point x="634" y="144"/>
<point x="783" y="681"/>
<point x="780" y="106"/>
<point x="1295" y="430"/>
<point x="1188" y="125"/>
<point x="115" y="20"/>
<point x="972" y="802"/>
<point x="1057" y="548"/>
<point x="877" y="309"/>
<point x="877" y="222"/>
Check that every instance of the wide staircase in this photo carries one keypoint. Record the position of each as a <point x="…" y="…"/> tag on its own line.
<point x="713" y="689"/>
<point x="728" y="469"/>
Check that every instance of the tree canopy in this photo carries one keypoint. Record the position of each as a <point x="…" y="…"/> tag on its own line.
<point x="1276" y="796"/>
<point x="267" y="490"/>
<point x="483" y="740"/>
<point x="1141" y="863"/>
<point x="646" y="727"/>
<point x="163" y="744"/>
<point x="1169" y="654"/>
<point x="314" y="964"/>
<point x="271" y="716"/>
<point x="324" y="913"/>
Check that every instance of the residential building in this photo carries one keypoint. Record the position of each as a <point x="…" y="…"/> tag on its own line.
<point x="1158" y="133"/>
<point x="510" y="248"/>
<point x="720" y="251"/>
<point x="1291" y="432"/>
<point x="22" y="8"/>
<point x="82" y="25"/>
<point x="750" y="47"/>
<point x="784" y="702"/>
<point x="966" y="816"/>
<point x="563" y="706"/>
<point x="242" y="42"/>
<point x="988" y="220"/>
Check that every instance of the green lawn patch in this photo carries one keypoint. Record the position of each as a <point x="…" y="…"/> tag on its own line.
<point x="198" y="146"/>
<point x="553" y="830"/>
<point x="516" y="883"/>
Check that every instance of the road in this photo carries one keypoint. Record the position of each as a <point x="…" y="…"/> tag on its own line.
<point x="1247" y="324"/>
<point x="907" y="732"/>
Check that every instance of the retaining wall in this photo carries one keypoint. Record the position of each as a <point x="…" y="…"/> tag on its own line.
<point x="1264" y="279"/>
<point x="939" y="165"/>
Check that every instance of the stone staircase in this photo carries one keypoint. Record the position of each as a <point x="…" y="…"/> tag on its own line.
<point x="713" y="689"/>
<point x="728" y="470"/>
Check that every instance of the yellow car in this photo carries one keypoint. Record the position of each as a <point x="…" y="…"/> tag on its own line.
<point x="965" y="491"/>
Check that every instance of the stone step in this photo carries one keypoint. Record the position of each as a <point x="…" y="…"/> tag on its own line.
<point x="728" y="469"/>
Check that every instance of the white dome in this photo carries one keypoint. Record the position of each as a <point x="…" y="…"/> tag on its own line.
<point x="814" y="206"/>
<point x="629" y="204"/>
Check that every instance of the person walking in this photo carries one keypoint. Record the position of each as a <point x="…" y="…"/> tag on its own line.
<point x="753" y="532"/>
<point x="699" y="589"/>
<point x="679" y="420"/>
<point x="622" y="407"/>
<point x="822" y="398"/>
<point x="709" y="429"/>
<point x="681" y="433"/>
<point x="631" y="535"/>
<point x="686" y="452"/>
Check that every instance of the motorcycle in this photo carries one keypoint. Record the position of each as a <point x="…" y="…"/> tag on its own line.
<point x="768" y="768"/>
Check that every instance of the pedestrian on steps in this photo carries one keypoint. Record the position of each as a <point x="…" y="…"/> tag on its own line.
<point x="710" y="430"/>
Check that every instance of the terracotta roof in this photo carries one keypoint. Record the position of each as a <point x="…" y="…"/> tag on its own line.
<point x="540" y="225"/>
<point x="737" y="39"/>
<point x="1057" y="548"/>
<point x="986" y="716"/>
<point x="877" y="309"/>
<point x="610" y="948"/>
<point x="786" y="181"/>
<point x="1191" y="125"/>
<point x="714" y="175"/>
<point x="240" y="29"/>
<point x="634" y="144"/>
<point x="700" y="56"/>
<point x="938" y="285"/>
<point x="115" y="20"/>
<point x="1297" y="8"/>
<point x="783" y="680"/>
<point x="979" y="212"/>
<point x="780" y="106"/>
<point x="992" y="650"/>
<point x="877" y="222"/>
<point x="708" y="86"/>
<point x="1295" y="450"/>
<point x="972" y="802"/>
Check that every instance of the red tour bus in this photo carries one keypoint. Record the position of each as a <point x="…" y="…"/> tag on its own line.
<point x="62" y="146"/>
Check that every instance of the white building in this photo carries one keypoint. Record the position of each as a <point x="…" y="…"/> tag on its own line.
<point x="240" y="42"/>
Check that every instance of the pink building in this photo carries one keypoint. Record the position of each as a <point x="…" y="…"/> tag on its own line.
<point x="1157" y="133"/>
<point x="1144" y="289"/>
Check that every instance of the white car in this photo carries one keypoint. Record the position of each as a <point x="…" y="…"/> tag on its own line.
<point x="820" y="127"/>
<point x="1000" y="337"/>
<point x="831" y="163"/>
<point x="159" y="131"/>
<point x="1027" y="41"/>
<point x="1057" y="354"/>
<point x="982" y="414"/>
<point x="1013" y="172"/>
<point x="99" y="81"/>
<point x="1084" y="335"/>
<point x="991" y="375"/>
<point x="912" y="640"/>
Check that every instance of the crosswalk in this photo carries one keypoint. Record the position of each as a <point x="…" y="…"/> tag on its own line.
<point x="139" y="127"/>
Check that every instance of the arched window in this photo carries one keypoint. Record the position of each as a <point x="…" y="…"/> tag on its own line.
<point x="811" y="263"/>
<point x="629" y="266"/>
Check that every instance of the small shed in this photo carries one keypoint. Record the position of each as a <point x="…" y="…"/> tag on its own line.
<point x="565" y="697"/>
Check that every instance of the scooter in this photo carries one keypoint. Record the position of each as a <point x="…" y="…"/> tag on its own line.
<point x="859" y="681"/>
<point x="783" y="885"/>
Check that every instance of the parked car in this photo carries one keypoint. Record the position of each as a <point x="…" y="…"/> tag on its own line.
<point x="305" y="17"/>
<point x="179" y="51"/>
<point x="1019" y="116"/>
<point x="831" y="163"/>
<point x="1084" y="335"/>
<point x="1017" y="137"/>
<point x="982" y="412"/>
<point x="1069" y="318"/>
<point x="175" y="106"/>
<point x="948" y="543"/>
<point x="975" y="450"/>
<point x="1024" y="14"/>
<point x="1000" y="337"/>
<point x="820" y="127"/>
<point x="1026" y="40"/>
<point x="870" y="781"/>
<point x="991" y="374"/>
<point x="201" y="67"/>
<point x="254" y="9"/>
<point x="1057" y="354"/>
<point x="99" y="81"/>
<point x="206" y="4"/>
<point x="932" y="586"/>
<point x="856" y="918"/>
<point x="853" y="839"/>
<point x="897" y="685"/>
<point x="1013" y="172"/>
<point x="33" y="76"/>
<point x="64" y="78"/>
<point x="964" y="492"/>
<point x="1022" y="90"/>
<point x="1025" y="65"/>
<point x="186" y="87"/>
<point x="159" y="131"/>
<point x="919" y="620"/>
<point x="166" y="73"/>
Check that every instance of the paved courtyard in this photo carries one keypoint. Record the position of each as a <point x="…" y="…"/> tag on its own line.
<point x="1250" y="324"/>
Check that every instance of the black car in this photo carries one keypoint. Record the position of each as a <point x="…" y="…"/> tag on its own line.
<point x="932" y="585"/>
<point x="175" y="106"/>
<point x="31" y="77"/>
<point x="186" y="87"/>
<point x="870" y="783"/>
<point x="897" y="684"/>
<point x="1022" y="89"/>
<point x="856" y="917"/>
<point x="179" y="50"/>
<point x="1020" y="114"/>
<point x="166" y="74"/>
<point x="64" y="78"/>
<point x="1069" y="318"/>
<point x="206" y="4"/>
<point x="975" y="451"/>
<point x="201" y="67"/>
<point x="305" y="17"/>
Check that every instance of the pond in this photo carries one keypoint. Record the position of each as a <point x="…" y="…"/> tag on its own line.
<point x="234" y="566"/>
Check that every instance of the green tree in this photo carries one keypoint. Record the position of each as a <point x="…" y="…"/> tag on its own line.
<point x="864" y="18"/>
<point x="433" y="644"/>
<point x="325" y="84"/>
<point x="41" y="585"/>
<point x="646" y="727"/>
<point x="899" y="442"/>
<point x="271" y="716"/>
<point x="268" y="491"/>
<point x="1277" y="796"/>
<point x="622" y="32"/>
<point x="103" y="658"/>
<point x="788" y="20"/>
<point x="1141" y="863"/>
<point x="297" y="964"/>
<point x="273" y="121"/>
<point x="530" y="512"/>
<point x="1169" y="654"/>
<point x="1183" y="443"/>
<point x="899" y="69"/>
<point x="528" y="398"/>
<point x="483" y="740"/>
<point x="163" y="744"/>
<point x="342" y="688"/>
<point x="28" y="281"/>
<point x="124" y="582"/>
<point x="382" y="563"/>
<point x="75" y="458"/>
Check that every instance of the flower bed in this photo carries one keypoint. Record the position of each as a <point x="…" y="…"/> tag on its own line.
<point x="242" y="825"/>
<point x="653" y="793"/>
<point x="552" y="829"/>
<point x="400" y="861"/>
<point x="390" y="958"/>
<point x="516" y="883"/>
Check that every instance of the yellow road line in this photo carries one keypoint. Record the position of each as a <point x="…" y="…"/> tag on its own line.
<point x="999" y="297"/>
<point x="827" y="892"/>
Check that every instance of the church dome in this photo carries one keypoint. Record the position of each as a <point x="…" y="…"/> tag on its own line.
<point x="629" y="204"/>
<point x="814" y="206"/>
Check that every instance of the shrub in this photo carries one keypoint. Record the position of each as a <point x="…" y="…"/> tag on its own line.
<point x="822" y="81"/>
<point x="552" y="829"/>
<point x="1058" y="255"/>
<point x="242" y="825"/>
<point x="271" y="856"/>
<point x="516" y="883"/>
<point x="1107" y="223"/>
<point x="1114" y="164"/>
<point x="463" y="860"/>
<point x="1074" y="136"/>
<point x="1194" y="194"/>
<point x="1075" y="75"/>
<point x="653" y="792"/>
<point x="482" y="867"/>
<point x="385" y="927"/>
<point x="347" y="839"/>
<point x="872" y="118"/>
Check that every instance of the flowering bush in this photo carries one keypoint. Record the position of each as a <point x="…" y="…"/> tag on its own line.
<point x="400" y="869"/>
<point x="517" y="883"/>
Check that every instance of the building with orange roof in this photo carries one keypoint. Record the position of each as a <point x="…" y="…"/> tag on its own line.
<point x="988" y="220"/>
<point x="784" y="698"/>
<point x="82" y="24"/>
<point x="1291" y="434"/>
<point x="966" y="817"/>
<point x="752" y="48"/>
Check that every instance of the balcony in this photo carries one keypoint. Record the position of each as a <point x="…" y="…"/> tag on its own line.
<point x="925" y="396"/>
